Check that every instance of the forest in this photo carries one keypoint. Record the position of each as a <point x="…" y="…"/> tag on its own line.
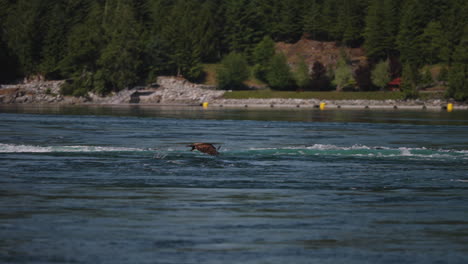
<point x="105" y="46"/>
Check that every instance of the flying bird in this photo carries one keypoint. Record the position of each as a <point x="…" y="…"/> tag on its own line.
<point x="207" y="148"/>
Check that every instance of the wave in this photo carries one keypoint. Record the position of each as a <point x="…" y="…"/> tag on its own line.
<point x="11" y="148"/>
<point x="363" y="151"/>
<point x="313" y="150"/>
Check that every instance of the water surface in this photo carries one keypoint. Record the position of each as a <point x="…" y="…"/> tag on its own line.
<point x="118" y="185"/>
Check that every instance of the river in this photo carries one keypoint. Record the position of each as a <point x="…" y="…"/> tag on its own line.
<point x="118" y="185"/>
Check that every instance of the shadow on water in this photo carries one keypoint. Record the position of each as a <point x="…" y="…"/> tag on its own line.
<point x="300" y="115"/>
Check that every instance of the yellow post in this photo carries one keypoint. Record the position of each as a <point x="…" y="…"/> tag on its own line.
<point x="205" y="104"/>
<point x="322" y="106"/>
<point x="449" y="107"/>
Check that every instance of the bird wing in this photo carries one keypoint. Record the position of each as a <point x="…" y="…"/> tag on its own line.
<point x="207" y="148"/>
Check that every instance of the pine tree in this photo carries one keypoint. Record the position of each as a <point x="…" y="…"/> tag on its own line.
<point x="84" y="44"/>
<point x="8" y="63"/>
<point x="458" y="74"/>
<point x="242" y="30"/>
<point x="288" y="26"/>
<point x="374" y="32"/>
<point x="410" y="81"/>
<point x="312" y="20"/>
<point x="351" y="22"/>
<point x="412" y="25"/>
<point x="53" y="49"/>
<point x="453" y="21"/>
<point x="426" y="78"/>
<point x="24" y="38"/>
<point x="432" y="41"/>
<point x="119" y="62"/>
<point x="261" y="57"/>
<point x="183" y="39"/>
<point x="329" y="20"/>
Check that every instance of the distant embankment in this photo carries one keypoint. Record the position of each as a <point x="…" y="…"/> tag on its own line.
<point x="169" y="90"/>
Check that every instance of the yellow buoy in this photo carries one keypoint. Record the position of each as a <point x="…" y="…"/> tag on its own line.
<point x="449" y="107"/>
<point x="322" y="106"/>
<point x="205" y="104"/>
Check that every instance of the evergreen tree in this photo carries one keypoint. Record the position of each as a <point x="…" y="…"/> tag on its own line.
<point x="183" y="37"/>
<point x="233" y="72"/>
<point x="453" y="21"/>
<point x="8" y="63"/>
<point x="443" y="75"/>
<point x="374" y="32"/>
<point x="313" y="20"/>
<point x="53" y="49"/>
<point x="329" y="20"/>
<point x="279" y="76"/>
<point x="25" y="24"/>
<point x="458" y="75"/>
<point x="119" y="62"/>
<point x="412" y="25"/>
<point x="432" y="41"/>
<point x="410" y="81"/>
<point x="351" y="22"/>
<point x="288" y="25"/>
<point x="381" y="74"/>
<point x="262" y="55"/>
<point x="242" y="30"/>
<point x="426" y="78"/>
<point x="84" y="44"/>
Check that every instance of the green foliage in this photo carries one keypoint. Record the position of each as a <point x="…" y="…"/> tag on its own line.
<point x="412" y="25"/>
<point x="81" y="85"/>
<point x="443" y="75"/>
<point x="258" y="94"/>
<point x="53" y="49"/>
<point x="410" y="80"/>
<point x="426" y="78"/>
<point x="301" y="74"/>
<point x="312" y="20"/>
<point x="233" y="72"/>
<point x="432" y="42"/>
<point x="381" y="28"/>
<point x="381" y="74"/>
<point x="458" y="75"/>
<point x="119" y="60"/>
<point x="124" y="42"/>
<point x="343" y="78"/>
<point x="262" y="54"/>
<point x="279" y="76"/>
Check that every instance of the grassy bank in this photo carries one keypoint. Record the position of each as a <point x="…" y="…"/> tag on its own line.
<point x="266" y="94"/>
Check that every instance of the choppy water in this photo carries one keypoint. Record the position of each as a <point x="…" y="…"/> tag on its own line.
<point x="105" y="185"/>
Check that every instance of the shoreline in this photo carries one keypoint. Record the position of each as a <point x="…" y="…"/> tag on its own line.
<point x="252" y="106"/>
<point x="171" y="91"/>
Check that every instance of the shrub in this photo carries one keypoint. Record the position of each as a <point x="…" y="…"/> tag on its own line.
<point x="301" y="75"/>
<point x="279" y="76"/>
<point x="233" y="72"/>
<point x="381" y="74"/>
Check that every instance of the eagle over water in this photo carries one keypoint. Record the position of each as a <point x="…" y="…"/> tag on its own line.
<point x="207" y="148"/>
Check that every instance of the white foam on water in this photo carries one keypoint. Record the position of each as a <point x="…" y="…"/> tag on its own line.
<point x="11" y="148"/>
<point x="367" y="151"/>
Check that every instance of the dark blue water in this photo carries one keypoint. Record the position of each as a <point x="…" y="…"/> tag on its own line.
<point x="118" y="185"/>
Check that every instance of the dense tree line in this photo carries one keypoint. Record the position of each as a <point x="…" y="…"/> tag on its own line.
<point x="109" y="45"/>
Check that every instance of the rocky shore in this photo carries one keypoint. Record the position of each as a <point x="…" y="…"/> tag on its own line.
<point x="177" y="91"/>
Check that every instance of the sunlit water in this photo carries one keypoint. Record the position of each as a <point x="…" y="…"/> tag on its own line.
<point x="119" y="185"/>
